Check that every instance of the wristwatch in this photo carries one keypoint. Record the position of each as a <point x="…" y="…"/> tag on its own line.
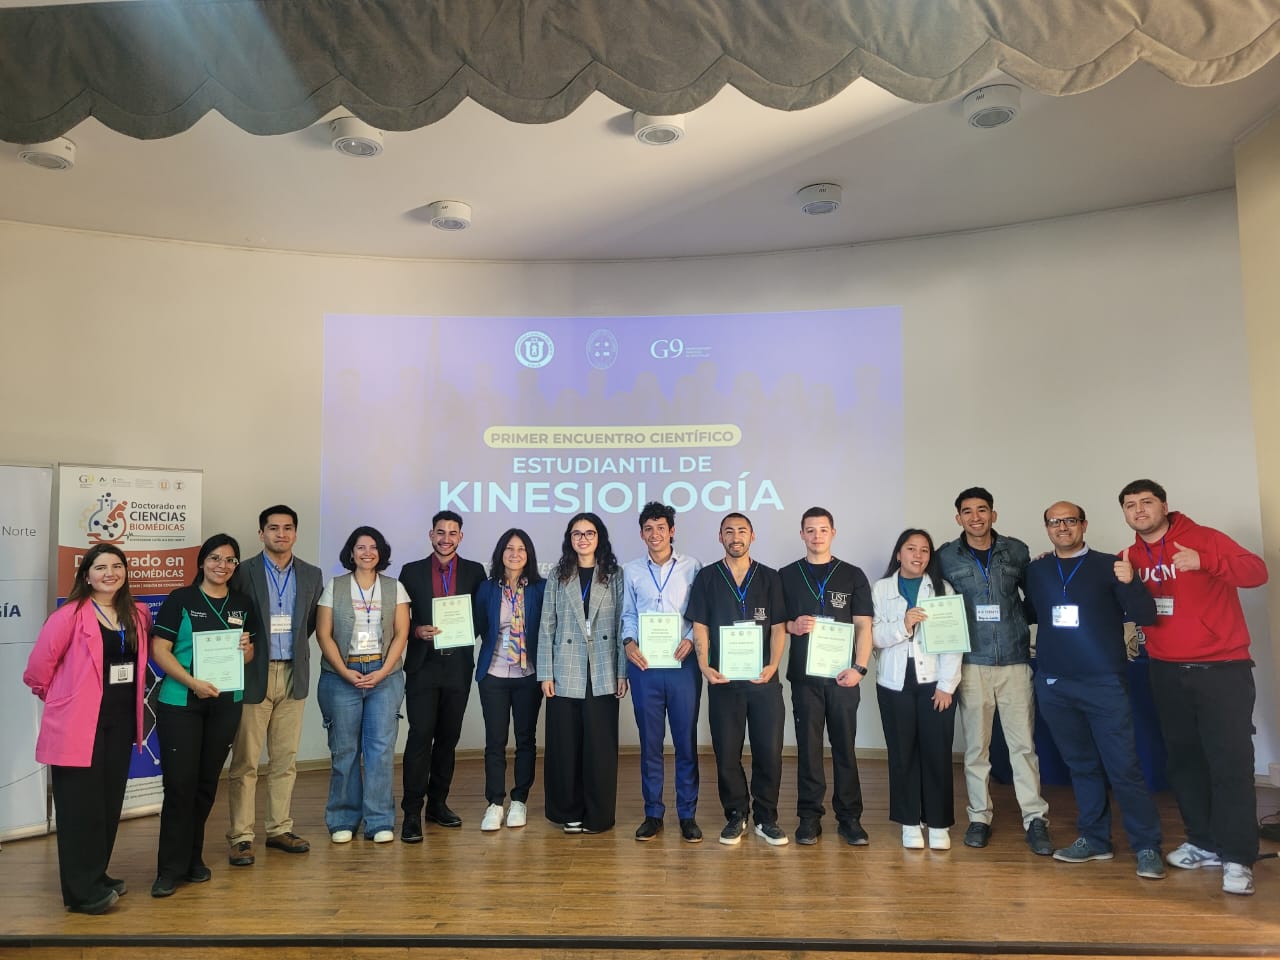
<point x="861" y="669"/>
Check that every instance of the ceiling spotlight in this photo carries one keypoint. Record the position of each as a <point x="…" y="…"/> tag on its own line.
<point x="449" y="214"/>
<point x="59" y="154"/>
<point x="819" y="198"/>
<point x="355" y="138"/>
<point x="992" y="106"/>
<point x="658" y="131"/>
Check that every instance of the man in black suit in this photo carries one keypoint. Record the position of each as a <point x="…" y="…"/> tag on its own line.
<point x="437" y="682"/>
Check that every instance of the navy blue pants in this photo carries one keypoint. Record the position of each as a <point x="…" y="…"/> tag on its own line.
<point x="659" y="696"/>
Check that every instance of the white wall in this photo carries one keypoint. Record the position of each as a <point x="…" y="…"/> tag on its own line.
<point x="1051" y="360"/>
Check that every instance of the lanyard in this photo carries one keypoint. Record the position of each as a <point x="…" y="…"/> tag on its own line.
<point x="1151" y="557"/>
<point x="741" y="594"/>
<point x="665" y="580"/>
<point x="1065" y="579"/>
<point x="984" y="570"/>
<point x="587" y="589"/>
<point x="819" y="594"/>
<point x="446" y="575"/>
<point x="368" y="604"/>
<point x="280" y="588"/>
<point x="119" y="629"/>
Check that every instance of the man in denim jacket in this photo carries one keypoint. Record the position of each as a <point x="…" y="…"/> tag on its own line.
<point x="989" y="570"/>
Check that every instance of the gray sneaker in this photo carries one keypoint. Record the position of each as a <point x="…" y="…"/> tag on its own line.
<point x="1082" y="851"/>
<point x="1150" y="865"/>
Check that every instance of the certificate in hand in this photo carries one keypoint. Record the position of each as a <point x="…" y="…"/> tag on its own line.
<point x="741" y="651"/>
<point x="830" y="648"/>
<point x="452" y="615"/>
<point x="216" y="658"/>
<point x="947" y="629"/>
<point x="660" y="634"/>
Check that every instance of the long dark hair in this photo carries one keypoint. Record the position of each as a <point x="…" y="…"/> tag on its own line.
<point x="210" y="545"/>
<point x="122" y="603"/>
<point x="606" y="562"/>
<point x="933" y="571"/>
<point x="497" y="569"/>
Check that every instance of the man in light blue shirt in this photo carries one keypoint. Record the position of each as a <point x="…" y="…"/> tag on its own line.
<point x="659" y="583"/>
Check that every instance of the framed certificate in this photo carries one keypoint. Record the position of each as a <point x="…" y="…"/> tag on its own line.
<point x="660" y="634"/>
<point x="947" y="629"/>
<point x="830" y="648"/>
<point x="216" y="658"/>
<point x="742" y="651"/>
<point x="452" y="615"/>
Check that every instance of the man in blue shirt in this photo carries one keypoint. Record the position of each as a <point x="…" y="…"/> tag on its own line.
<point x="659" y="583"/>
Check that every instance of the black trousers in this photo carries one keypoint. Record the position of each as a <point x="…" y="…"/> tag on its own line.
<point x="508" y="701"/>
<point x="435" y="723"/>
<point x="918" y="740"/>
<point x="826" y="705"/>
<point x="194" y="743"/>
<point x="739" y="710"/>
<point x="1206" y="716"/>
<point x="87" y="801"/>
<point x="581" y="758"/>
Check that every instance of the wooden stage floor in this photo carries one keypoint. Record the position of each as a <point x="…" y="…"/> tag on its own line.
<point x="537" y="893"/>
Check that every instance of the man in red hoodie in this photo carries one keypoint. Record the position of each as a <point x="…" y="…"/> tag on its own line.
<point x="1201" y="678"/>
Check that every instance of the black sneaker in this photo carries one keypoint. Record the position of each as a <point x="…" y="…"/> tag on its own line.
<point x="411" y="829"/>
<point x="199" y="873"/>
<point x="733" y="830"/>
<point x="1038" y="838"/>
<point x="690" y="830"/>
<point x="650" y="829"/>
<point x="163" y="887"/>
<point x="771" y="834"/>
<point x="98" y="907"/>
<point x="119" y="886"/>
<point x="851" y="832"/>
<point x="978" y="835"/>
<point x="809" y="830"/>
<point x="441" y="814"/>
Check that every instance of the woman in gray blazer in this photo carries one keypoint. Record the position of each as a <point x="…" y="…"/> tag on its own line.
<point x="583" y="670"/>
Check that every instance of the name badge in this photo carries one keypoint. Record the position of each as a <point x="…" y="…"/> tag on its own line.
<point x="367" y="642"/>
<point x="746" y="623"/>
<point x="988" y="612"/>
<point x="121" y="673"/>
<point x="234" y="621"/>
<point x="1066" y="615"/>
<point x="1164" y="606"/>
<point x="281" y="623"/>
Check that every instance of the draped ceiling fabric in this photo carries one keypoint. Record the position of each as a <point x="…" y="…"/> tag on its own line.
<point x="152" y="69"/>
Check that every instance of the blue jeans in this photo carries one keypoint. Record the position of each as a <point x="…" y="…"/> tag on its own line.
<point x="361" y="723"/>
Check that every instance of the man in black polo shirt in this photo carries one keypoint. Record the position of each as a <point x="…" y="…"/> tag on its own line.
<point x="822" y="587"/>
<point x="737" y="591"/>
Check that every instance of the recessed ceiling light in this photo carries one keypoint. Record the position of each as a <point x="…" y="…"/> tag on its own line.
<point x="355" y="138"/>
<point x="59" y="154"/>
<point x="658" y="131"/>
<point x="449" y="214"/>
<point x="819" y="198"/>
<point x="992" y="106"/>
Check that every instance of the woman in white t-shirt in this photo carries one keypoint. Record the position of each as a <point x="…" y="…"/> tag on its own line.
<point x="362" y="638"/>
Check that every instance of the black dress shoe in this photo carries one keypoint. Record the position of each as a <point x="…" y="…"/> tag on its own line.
<point x="163" y="887"/>
<point x="198" y="873"/>
<point x="443" y="816"/>
<point x="690" y="830"/>
<point x="411" y="829"/>
<point x="98" y="906"/>
<point x="648" y="830"/>
<point x="978" y="834"/>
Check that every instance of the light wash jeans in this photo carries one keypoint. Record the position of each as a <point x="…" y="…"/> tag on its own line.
<point x="361" y="723"/>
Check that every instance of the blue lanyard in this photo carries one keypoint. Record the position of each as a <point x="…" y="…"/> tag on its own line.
<point x="446" y="575"/>
<point x="1151" y="557"/>
<point x="665" y="580"/>
<point x="986" y="571"/>
<point x="821" y="591"/>
<point x="741" y="594"/>
<point x="368" y="604"/>
<point x="587" y="589"/>
<point x="1065" y="579"/>
<point x="275" y="581"/>
<point x="119" y="629"/>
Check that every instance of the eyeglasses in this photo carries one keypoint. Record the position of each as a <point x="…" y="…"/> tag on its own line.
<point x="583" y="535"/>
<point x="221" y="561"/>
<point x="1068" y="522"/>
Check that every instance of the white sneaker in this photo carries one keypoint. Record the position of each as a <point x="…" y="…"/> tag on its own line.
<point x="492" y="819"/>
<point x="939" y="839"/>
<point x="1189" y="857"/>
<point x="340" y="836"/>
<point x="912" y="836"/>
<point x="384" y="836"/>
<point x="1237" y="878"/>
<point x="518" y="814"/>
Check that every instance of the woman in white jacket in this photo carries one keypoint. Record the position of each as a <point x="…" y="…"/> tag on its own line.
<point x="916" y="693"/>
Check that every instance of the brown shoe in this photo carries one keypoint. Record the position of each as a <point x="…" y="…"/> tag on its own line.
<point x="242" y="854"/>
<point x="289" y="843"/>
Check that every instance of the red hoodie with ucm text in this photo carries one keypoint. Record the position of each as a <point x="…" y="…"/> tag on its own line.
<point x="1207" y="622"/>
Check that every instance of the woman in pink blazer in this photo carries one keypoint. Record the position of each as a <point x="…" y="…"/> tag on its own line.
<point x="89" y="667"/>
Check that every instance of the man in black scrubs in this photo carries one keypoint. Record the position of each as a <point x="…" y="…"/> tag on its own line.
<point x="738" y="592"/>
<point x="437" y="682"/>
